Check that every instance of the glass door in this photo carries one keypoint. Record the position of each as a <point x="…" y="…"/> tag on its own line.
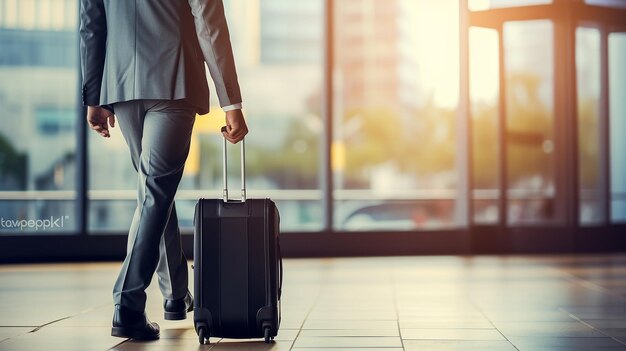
<point x="617" y="122"/>
<point x="529" y="131"/>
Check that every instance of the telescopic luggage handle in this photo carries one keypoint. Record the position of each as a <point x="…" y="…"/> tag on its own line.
<point x="243" y="169"/>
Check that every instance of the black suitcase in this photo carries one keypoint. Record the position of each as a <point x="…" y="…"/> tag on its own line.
<point x="237" y="266"/>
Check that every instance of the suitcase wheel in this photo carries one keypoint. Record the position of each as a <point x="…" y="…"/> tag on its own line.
<point x="203" y="336"/>
<point x="266" y="334"/>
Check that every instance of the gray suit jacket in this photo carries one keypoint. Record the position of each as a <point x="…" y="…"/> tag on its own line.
<point x="156" y="49"/>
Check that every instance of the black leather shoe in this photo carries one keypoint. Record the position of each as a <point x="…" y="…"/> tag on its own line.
<point x="176" y="310"/>
<point x="132" y="324"/>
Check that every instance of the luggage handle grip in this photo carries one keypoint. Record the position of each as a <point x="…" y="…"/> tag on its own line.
<point x="243" y="169"/>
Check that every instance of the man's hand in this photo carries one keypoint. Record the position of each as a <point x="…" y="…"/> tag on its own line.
<point x="236" y="127"/>
<point x="97" y="118"/>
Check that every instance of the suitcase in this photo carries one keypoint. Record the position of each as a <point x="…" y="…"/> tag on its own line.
<point x="237" y="265"/>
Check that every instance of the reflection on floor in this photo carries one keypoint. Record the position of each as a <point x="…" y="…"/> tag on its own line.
<point x="411" y="303"/>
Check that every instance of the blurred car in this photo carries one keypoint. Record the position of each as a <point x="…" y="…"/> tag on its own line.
<point x="399" y="215"/>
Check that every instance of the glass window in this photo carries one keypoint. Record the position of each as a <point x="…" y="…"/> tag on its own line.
<point x="484" y="101"/>
<point x="617" y="112"/>
<point x="38" y="110"/>
<point x="396" y="98"/>
<point x="278" y="48"/>
<point x="588" y="88"/>
<point x="112" y="183"/>
<point x="529" y="58"/>
<point x="608" y="3"/>
<point x="480" y="5"/>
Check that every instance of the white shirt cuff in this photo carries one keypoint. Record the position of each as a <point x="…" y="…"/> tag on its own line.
<point x="232" y="107"/>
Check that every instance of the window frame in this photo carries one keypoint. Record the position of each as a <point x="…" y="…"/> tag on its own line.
<point x="567" y="16"/>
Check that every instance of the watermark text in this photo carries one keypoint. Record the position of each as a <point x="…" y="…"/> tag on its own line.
<point x="34" y="224"/>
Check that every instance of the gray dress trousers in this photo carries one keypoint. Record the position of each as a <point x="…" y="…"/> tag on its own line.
<point x="158" y="134"/>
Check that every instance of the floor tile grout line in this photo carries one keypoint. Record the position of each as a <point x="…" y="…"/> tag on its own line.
<point x="573" y="278"/>
<point x="302" y="324"/>
<point x="118" y="344"/>
<point x="588" y="285"/>
<point x="292" y="343"/>
<point x="590" y="326"/>
<point x="46" y="324"/>
<point x="491" y="322"/>
<point x="306" y="317"/>
<point x="87" y="310"/>
<point x="395" y="305"/>
<point x="35" y="328"/>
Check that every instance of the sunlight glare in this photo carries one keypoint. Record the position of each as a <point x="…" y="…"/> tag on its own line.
<point x="436" y="28"/>
<point x="484" y="63"/>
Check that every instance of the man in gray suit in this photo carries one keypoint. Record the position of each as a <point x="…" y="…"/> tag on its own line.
<point x="143" y="62"/>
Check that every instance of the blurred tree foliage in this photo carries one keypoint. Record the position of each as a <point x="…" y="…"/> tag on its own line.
<point x="589" y="143"/>
<point x="529" y="126"/>
<point x="485" y="146"/>
<point x="12" y="167"/>
<point x="422" y="142"/>
<point x="529" y="130"/>
<point x="295" y="165"/>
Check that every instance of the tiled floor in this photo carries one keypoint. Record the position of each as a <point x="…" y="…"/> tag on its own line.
<point x="407" y="303"/>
